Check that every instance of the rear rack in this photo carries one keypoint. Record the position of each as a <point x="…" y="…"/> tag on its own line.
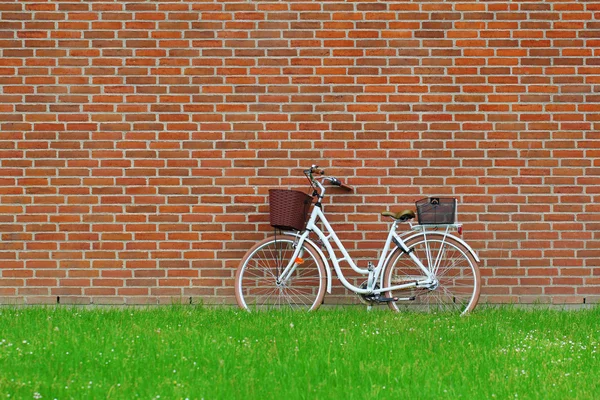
<point x="424" y="228"/>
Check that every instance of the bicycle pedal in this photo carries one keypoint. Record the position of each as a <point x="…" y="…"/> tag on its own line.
<point x="406" y="298"/>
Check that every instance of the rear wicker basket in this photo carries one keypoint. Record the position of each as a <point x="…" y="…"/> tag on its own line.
<point x="436" y="211"/>
<point x="288" y="209"/>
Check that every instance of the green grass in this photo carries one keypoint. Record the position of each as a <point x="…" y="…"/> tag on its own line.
<point x="197" y="352"/>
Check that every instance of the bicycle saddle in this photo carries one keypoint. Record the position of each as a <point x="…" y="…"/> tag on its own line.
<point x="401" y="216"/>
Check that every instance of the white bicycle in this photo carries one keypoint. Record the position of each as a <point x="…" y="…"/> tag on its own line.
<point x="426" y="268"/>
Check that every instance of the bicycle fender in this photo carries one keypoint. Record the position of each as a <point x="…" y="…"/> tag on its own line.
<point x="453" y="237"/>
<point x="321" y="254"/>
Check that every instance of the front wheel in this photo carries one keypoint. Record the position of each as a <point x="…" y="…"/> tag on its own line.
<point x="457" y="280"/>
<point x="258" y="283"/>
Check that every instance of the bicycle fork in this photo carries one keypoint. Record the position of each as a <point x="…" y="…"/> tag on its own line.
<point x="296" y="260"/>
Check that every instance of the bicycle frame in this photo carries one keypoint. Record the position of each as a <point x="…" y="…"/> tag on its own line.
<point x="372" y="273"/>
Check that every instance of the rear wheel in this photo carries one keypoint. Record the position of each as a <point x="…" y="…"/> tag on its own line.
<point x="258" y="284"/>
<point x="456" y="272"/>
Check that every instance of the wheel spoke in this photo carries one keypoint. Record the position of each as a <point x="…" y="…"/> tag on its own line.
<point x="300" y="295"/>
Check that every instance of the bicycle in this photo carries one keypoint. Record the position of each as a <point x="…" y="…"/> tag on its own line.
<point x="427" y="267"/>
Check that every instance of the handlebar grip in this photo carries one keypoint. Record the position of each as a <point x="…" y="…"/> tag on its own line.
<point x="337" y="182"/>
<point x="347" y="187"/>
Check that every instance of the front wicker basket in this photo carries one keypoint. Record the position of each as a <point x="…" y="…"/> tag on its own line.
<point x="288" y="209"/>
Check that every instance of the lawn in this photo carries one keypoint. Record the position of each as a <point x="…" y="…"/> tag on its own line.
<point x="198" y="352"/>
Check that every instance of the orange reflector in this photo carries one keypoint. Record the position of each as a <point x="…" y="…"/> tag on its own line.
<point x="299" y="260"/>
<point x="460" y="230"/>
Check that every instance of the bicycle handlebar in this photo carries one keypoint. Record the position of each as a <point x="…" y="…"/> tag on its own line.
<point x="334" y="181"/>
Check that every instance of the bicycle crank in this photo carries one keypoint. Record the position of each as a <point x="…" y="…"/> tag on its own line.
<point x="386" y="299"/>
<point x="373" y="298"/>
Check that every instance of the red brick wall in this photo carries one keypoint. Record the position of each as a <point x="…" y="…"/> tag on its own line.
<point x="138" y="139"/>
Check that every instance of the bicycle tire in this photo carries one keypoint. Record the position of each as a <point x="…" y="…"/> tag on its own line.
<point x="256" y="285"/>
<point x="457" y="273"/>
